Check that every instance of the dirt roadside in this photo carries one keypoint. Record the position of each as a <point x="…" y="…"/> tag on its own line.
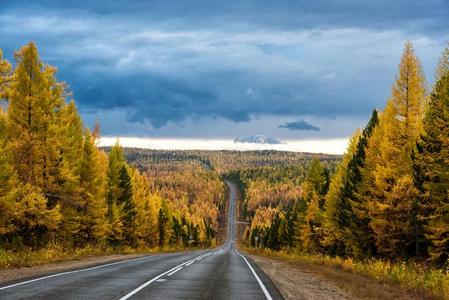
<point x="7" y="275"/>
<point x="302" y="280"/>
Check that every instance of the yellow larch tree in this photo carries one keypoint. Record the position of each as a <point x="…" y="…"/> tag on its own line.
<point x="389" y="160"/>
<point x="35" y="99"/>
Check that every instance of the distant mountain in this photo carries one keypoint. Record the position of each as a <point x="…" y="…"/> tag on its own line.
<point x="257" y="139"/>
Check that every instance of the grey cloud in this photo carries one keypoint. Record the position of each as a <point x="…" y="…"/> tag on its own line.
<point x="170" y="61"/>
<point x="299" y="125"/>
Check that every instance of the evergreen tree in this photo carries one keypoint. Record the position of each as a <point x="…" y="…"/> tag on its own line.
<point x="116" y="161"/>
<point x="165" y="225"/>
<point x="162" y="226"/>
<point x="347" y="230"/>
<point x="360" y="241"/>
<point x="433" y="163"/>
<point x="300" y="212"/>
<point x="338" y="214"/>
<point x="126" y="202"/>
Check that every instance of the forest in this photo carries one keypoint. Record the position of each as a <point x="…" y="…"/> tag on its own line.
<point x="386" y="198"/>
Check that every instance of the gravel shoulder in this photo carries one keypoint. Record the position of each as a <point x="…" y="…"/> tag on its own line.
<point x="302" y="280"/>
<point x="7" y="275"/>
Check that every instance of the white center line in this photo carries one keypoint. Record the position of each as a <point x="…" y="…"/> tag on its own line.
<point x="69" y="272"/>
<point x="264" y="289"/>
<point x="189" y="263"/>
<point x="171" y="273"/>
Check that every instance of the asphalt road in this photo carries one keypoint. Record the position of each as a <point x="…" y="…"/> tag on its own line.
<point x="221" y="273"/>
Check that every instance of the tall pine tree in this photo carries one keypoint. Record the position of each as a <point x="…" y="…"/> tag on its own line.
<point x="433" y="162"/>
<point x="338" y="213"/>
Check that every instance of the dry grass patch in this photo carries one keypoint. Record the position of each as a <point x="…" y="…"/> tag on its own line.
<point x="372" y="278"/>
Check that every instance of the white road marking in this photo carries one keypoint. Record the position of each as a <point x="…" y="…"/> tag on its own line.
<point x="161" y="280"/>
<point x="141" y="287"/>
<point x="170" y="274"/>
<point x="189" y="263"/>
<point x="264" y="289"/>
<point x="69" y="272"/>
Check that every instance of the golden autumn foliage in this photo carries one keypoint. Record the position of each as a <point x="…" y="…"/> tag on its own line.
<point x="390" y="199"/>
<point x="387" y="197"/>
<point x="443" y="64"/>
<point x="58" y="187"/>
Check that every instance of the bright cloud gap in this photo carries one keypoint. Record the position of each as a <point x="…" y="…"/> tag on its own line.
<point x="330" y="146"/>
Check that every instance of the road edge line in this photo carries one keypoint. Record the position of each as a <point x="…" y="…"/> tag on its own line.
<point x="264" y="289"/>
<point x="71" y="272"/>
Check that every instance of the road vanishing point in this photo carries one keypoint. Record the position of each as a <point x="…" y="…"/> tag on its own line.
<point x="221" y="273"/>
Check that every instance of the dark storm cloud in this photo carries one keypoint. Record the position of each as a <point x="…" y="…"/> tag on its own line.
<point x="170" y="61"/>
<point x="299" y="125"/>
<point x="148" y="98"/>
<point x="285" y="14"/>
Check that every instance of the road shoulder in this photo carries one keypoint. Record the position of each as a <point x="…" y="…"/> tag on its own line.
<point x="297" y="279"/>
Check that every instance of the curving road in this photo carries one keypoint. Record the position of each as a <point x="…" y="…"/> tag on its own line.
<point x="222" y="273"/>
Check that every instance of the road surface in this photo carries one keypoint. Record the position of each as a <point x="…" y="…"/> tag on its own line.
<point x="221" y="273"/>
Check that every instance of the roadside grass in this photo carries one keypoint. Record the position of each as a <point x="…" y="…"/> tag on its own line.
<point x="410" y="276"/>
<point x="57" y="253"/>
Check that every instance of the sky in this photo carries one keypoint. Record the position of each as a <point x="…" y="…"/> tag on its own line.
<point x="208" y="71"/>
